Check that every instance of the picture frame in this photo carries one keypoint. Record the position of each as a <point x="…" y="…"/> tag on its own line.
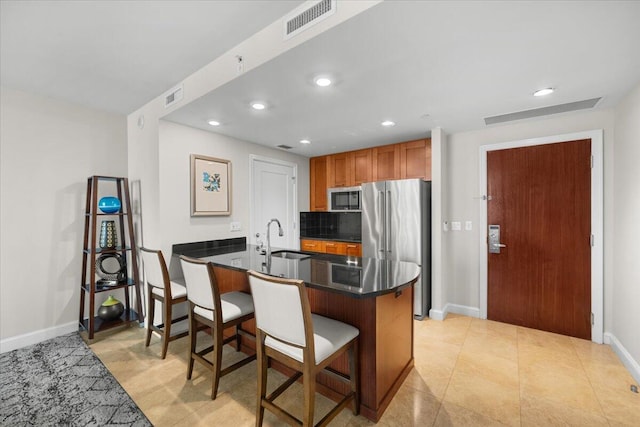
<point x="210" y="186"/>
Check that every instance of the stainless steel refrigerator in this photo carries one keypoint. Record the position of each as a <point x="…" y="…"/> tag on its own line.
<point x="396" y="225"/>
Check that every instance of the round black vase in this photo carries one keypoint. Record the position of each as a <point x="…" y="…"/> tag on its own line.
<point x="111" y="312"/>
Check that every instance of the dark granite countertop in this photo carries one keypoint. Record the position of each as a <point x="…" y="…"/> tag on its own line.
<point x="352" y="276"/>
<point x="354" y="239"/>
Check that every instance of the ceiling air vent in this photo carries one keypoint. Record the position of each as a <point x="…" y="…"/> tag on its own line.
<point x="304" y="17"/>
<point x="173" y="96"/>
<point x="544" y="111"/>
<point x="284" y="147"/>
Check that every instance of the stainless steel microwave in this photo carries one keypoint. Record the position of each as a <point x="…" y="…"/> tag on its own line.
<point x="344" y="199"/>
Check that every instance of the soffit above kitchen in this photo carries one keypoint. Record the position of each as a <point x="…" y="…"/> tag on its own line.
<point x="427" y="64"/>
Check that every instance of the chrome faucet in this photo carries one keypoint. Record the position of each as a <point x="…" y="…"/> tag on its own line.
<point x="280" y="233"/>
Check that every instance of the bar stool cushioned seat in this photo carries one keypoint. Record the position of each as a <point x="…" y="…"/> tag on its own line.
<point x="329" y="336"/>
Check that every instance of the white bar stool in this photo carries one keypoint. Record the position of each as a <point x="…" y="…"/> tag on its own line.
<point x="209" y="308"/>
<point x="288" y="332"/>
<point x="160" y="288"/>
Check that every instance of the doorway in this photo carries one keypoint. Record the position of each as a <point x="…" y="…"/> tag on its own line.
<point x="273" y="195"/>
<point x="545" y="199"/>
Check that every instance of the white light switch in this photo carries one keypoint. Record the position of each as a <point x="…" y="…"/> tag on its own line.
<point x="235" y="226"/>
<point x="456" y="226"/>
<point x="468" y="226"/>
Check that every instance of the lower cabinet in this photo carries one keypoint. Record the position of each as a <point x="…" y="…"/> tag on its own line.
<point x="331" y="247"/>
<point x="312" y="245"/>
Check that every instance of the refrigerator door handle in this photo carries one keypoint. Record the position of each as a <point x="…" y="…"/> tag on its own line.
<point x="388" y="227"/>
<point x="383" y="213"/>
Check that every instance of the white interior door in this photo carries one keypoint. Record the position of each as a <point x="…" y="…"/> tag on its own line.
<point x="274" y="195"/>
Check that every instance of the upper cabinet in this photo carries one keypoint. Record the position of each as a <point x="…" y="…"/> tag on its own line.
<point x="319" y="184"/>
<point x="386" y="162"/>
<point x="339" y="170"/>
<point x="361" y="166"/>
<point x="411" y="159"/>
<point x="349" y="169"/>
<point x="415" y="159"/>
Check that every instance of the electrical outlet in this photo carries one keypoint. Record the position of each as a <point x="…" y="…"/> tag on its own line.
<point x="456" y="226"/>
<point x="235" y="226"/>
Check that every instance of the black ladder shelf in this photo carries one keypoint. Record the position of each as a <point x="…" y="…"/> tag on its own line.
<point x="91" y="324"/>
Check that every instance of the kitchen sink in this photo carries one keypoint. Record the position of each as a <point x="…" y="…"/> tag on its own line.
<point x="290" y="255"/>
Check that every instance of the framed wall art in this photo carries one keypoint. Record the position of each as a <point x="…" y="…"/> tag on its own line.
<point x="210" y="186"/>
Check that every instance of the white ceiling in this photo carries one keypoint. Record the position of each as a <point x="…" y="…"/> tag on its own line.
<point x="119" y="55"/>
<point x="419" y="63"/>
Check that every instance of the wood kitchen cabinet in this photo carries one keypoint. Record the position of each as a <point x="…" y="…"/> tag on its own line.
<point x="318" y="181"/>
<point x="343" y="248"/>
<point x="361" y="167"/>
<point x="312" y="245"/>
<point x="353" y="249"/>
<point x="337" y="248"/>
<point x="386" y="162"/>
<point x="410" y="159"/>
<point x="339" y="170"/>
<point x="415" y="159"/>
<point x="349" y="169"/>
<point x="331" y="247"/>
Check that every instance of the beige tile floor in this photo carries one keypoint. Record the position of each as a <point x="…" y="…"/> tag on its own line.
<point x="468" y="372"/>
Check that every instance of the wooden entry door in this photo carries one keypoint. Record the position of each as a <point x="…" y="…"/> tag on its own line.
<point x="541" y="199"/>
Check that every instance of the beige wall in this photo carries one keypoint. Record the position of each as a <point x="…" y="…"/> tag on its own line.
<point x="626" y="227"/>
<point x="462" y="260"/>
<point x="48" y="149"/>
<point x="177" y="143"/>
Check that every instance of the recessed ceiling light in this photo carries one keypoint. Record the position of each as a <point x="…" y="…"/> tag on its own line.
<point x="305" y="141"/>
<point x="388" y="123"/>
<point x="543" y="92"/>
<point x="258" y="106"/>
<point x="323" y="81"/>
<point x="214" y="123"/>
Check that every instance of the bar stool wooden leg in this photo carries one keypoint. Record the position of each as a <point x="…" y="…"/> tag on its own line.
<point x="262" y="376"/>
<point x="309" y="380"/>
<point x="193" y="331"/>
<point x="166" y="334"/>
<point x="238" y="338"/>
<point x="217" y="360"/>
<point x="152" y="309"/>
<point x="354" y="370"/>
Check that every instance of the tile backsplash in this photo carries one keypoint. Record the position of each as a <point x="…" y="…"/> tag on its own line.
<point x="345" y="226"/>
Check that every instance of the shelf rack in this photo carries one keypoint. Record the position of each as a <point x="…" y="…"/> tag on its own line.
<point x="90" y="324"/>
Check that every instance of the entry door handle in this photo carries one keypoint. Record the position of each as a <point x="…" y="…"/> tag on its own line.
<point x="494" y="239"/>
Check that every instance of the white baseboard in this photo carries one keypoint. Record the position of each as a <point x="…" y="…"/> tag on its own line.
<point x="438" y="314"/>
<point x="627" y="360"/>
<point x="464" y="310"/>
<point x="25" y="340"/>
<point x="454" y="308"/>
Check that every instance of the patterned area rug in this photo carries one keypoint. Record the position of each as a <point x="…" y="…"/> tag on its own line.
<point x="62" y="382"/>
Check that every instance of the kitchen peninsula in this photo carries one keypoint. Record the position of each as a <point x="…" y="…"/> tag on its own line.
<point x="376" y="296"/>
